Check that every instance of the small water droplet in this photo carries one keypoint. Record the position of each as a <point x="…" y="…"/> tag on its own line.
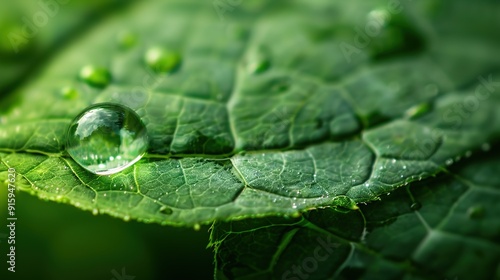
<point x="404" y="166"/>
<point x="418" y="110"/>
<point x="69" y="93"/>
<point x="104" y="195"/>
<point x="95" y="211"/>
<point x="475" y="212"/>
<point x="197" y="227"/>
<point x="95" y="76"/>
<point x="415" y="206"/>
<point x="162" y="60"/>
<point x="258" y="61"/>
<point x="393" y="160"/>
<point x="105" y="130"/>
<point x="449" y="161"/>
<point x="126" y="218"/>
<point x="166" y="210"/>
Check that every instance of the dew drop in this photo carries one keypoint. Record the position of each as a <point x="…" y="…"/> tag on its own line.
<point x="475" y="212"/>
<point x="162" y="60"/>
<point x="95" y="211"/>
<point x="166" y="210"/>
<point x="69" y="93"/>
<point x="415" y="206"/>
<point x="449" y="161"/>
<point x="197" y="227"/>
<point x="106" y="130"/>
<point x="126" y="218"/>
<point x="258" y="61"/>
<point x="418" y="110"/>
<point x="95" y="76"/>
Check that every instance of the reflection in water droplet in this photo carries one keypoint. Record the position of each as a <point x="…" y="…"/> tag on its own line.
<point x="475" y="212"/>
<point x="103" y="131"/>
<point x="415" y="206"/>
<point x="162" y="60"/>
<point x="95" y="76"/>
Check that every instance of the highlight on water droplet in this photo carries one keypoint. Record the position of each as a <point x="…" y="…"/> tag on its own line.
<point x="106" y="138"/>
<point x="162" y="60"/>
<point x="95" y="76"/>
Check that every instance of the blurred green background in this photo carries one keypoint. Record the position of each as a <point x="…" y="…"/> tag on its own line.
<point x="56" y="241"/>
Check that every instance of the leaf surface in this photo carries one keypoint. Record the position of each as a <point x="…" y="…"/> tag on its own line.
<point x="266" y="114"/>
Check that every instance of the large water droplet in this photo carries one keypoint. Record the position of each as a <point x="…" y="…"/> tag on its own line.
<point x="162" y="60"/>
<point x="107" y="138"/>
<point x="95" y="76"/>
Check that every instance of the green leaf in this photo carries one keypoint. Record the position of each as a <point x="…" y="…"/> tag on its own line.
<point x="265" y="114"/>
<point x="440" y="228"/>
